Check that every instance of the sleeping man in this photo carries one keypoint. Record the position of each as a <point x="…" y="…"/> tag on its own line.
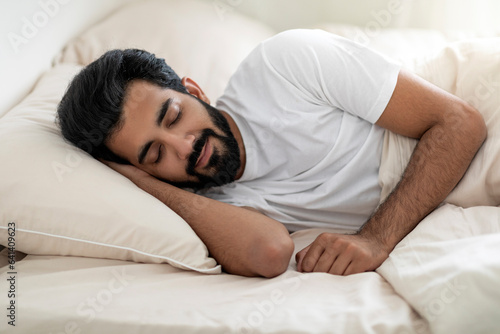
<point x="295" y="141"/>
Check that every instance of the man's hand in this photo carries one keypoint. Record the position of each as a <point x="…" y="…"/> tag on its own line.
<point x="450" y="133"/>
<point x="341" y="254"/>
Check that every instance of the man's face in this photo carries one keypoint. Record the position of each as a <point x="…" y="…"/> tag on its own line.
<point x="175" y="137"/>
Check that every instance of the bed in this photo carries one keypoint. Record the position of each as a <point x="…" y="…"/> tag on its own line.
<point x="79" y="252"/>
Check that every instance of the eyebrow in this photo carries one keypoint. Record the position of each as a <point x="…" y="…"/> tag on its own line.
<point x="160" y="115"/>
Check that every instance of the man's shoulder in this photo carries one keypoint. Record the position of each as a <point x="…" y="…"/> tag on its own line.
<point x="306" y="39"/>
<point x="295" y="42"/>
<point x="297" y="36"/>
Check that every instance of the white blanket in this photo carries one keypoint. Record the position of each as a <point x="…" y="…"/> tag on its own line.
<point x="448" y="267"/>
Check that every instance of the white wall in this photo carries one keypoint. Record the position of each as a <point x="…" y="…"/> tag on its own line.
<point x="472" y="15"/>
<point x="467" y="15"/>
<point x="32" y="33"/>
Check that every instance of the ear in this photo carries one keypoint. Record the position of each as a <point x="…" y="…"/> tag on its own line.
<point x="193" y="89"/>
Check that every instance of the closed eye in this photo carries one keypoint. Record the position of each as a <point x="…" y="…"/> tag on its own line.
<point x="177" y="118"/>
<point x="160" y="147"/>
<point x="160" y="154"/>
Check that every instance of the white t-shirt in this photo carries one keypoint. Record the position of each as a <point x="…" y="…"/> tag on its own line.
<point x="305" y="102"/>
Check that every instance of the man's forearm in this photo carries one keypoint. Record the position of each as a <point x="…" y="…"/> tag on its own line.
<point x="450" y="133"/>
<point x="436" y="166"/>
<point x="244" y="242"/>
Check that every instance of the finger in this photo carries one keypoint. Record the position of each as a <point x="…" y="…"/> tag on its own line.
<point x="341" y="264"/>
<point x="313" y="255"/>
<point x="354" y="268"/>
<point x="326" y="260"/>
<point x="300" y="256"/>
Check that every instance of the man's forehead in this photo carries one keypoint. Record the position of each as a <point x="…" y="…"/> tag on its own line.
<point x="139" y="90"/>
<point x="140" y="102"/>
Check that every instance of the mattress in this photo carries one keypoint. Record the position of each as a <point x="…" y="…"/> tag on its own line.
<point x="58" y="294"/>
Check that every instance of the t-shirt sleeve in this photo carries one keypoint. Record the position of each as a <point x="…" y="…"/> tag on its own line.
<point x="333" y="70"/>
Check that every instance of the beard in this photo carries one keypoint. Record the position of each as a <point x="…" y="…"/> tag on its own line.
<point x="223" y="164"/>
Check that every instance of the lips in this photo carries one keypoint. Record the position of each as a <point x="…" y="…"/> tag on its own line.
<point x="205" y="155"/>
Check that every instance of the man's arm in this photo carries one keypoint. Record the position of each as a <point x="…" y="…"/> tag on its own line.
<point x="245" y="242"/>
<point x="450" y="132"/>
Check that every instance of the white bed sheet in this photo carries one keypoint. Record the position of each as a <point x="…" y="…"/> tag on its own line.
<point x="59" y="294"/>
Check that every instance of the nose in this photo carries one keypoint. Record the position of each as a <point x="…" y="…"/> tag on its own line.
<point x="182" y="145"/>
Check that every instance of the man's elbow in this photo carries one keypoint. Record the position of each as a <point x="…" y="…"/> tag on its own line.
<point x="476" y="130"/>
<point x="275" y="257"/>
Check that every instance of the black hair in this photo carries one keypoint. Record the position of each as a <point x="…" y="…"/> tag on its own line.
<point x="90" y="110"/>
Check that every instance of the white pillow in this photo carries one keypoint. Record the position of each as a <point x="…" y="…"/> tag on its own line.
<point x="203" y="40"/>
<point x="471" y="71"/>
<point x="64" y="202"/>
<point x="402" y="44"/>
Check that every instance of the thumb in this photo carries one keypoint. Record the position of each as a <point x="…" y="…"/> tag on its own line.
<point x="300" y="256"/>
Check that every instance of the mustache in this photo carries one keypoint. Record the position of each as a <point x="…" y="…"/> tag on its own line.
<point x="197" y="148"/>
